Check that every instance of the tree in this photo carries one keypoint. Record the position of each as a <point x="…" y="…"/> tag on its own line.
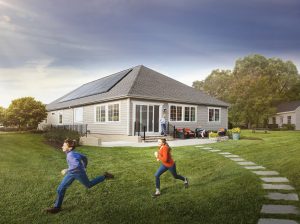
<point x="216" y="84"/>
<point x="253" y="88"/>
<point x="2" y="115"/>
<point x="26" y="112"/>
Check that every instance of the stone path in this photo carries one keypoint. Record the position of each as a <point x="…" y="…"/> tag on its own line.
<point x="271" y="182"/>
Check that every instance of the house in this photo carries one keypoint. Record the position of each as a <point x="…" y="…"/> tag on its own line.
<point x="287" y="113"/>
<point x="126" y="102"/>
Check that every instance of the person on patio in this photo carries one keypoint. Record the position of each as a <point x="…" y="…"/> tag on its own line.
<point x="163" y="124"/>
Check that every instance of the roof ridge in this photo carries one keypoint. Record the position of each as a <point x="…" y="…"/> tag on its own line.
<point x="139" y="67"/>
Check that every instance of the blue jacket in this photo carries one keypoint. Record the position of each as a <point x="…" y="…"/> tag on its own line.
<point x="76" y="161"/>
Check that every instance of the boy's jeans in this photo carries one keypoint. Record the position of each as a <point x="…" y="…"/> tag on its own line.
<point x="79" y="175"/>
<point x="163" y="169"/>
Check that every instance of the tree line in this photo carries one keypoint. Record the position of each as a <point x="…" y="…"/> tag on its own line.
<point x="253" y="88"/>
<point x="25" y="112"/>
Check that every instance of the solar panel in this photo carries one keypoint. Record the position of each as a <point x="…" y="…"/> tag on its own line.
<point x="96" y="87"/>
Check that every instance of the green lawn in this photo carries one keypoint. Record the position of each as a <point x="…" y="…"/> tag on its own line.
<point x="221" y="192"/>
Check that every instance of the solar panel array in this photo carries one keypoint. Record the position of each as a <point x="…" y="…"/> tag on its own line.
<point x="96" y="87"/>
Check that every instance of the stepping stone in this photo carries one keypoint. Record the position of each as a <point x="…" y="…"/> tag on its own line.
<point x="215" y="150"/>
<point x="280" y="196"/>
<point x="254" y="167"/>
<point x="277" y="187"/>
<point x="231" y="156"/>
<point x="199" y="146"/>
<point x="274" y="179"/>
<point x="246" y="163"/>
<point x="237" y="159"/>
<point x="276" y="221"/>
<point x="207" y="148"/>
<point x="266" y="173"/>
<point x="225" y="153"/>
<point x="280" y="209"/>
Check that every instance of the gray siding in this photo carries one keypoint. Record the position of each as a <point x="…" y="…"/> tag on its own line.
<point x="119" y="127"/>
<point x="297" y="119"/>
<point x="202" y="120"/>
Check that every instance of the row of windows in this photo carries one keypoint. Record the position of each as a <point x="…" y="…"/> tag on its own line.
<point x="111" y="112"/>
<point x="289" y="120"/>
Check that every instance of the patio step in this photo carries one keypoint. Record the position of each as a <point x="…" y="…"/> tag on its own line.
<point x="155" y="138"/>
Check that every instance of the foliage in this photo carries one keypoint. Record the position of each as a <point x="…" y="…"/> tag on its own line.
<point x="288" y="127"/>
<point x="213" y="135"/>
<point x="25" y="112"/>
<point x="56" y="136"/>
<point x="2" y="115"/>
<point x="235" y="130"/>
<point x="254" y="87"/>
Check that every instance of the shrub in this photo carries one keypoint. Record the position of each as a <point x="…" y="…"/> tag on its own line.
<point x="236" y="130"/>
<point x="56" y="136"/>
<point x="288" y="127"/>
<point x="213" y="135"/>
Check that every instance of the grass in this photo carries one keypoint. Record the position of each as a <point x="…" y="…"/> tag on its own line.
<point x="220" y="191"/>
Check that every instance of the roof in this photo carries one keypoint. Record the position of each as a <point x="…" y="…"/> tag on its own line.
<point x="288" y="106"/>
<point x="138" y="82"/>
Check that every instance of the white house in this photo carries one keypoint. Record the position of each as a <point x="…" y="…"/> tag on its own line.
<point x="125" y="102"/>
<point x="287" y="113"/>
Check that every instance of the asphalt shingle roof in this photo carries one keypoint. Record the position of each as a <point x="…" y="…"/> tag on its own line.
<point x="143" y="83"/>
<point x="288" y="106"/>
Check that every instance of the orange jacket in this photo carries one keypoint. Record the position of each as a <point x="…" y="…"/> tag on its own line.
<point x="164" y="155"/>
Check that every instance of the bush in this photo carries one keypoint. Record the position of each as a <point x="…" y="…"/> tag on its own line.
<point x="213" y="135"/>
<point x="56" y="136"/>
<point x="288" y="127"/>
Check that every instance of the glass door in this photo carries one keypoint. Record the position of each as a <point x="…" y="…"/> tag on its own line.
<point x="147" y="116"/>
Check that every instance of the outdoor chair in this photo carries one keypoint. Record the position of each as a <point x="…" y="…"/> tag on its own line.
<point x="188" y="133"/>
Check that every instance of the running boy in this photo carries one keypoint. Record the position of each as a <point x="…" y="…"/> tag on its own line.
<point x="77" y="164"/>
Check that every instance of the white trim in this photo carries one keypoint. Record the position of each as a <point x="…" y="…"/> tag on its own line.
<point x="106" y="112"/>
<point x="128" y="116"/>
<point x="183" y="112"/>
<point x="286" y="112"/>
<point x="220" y="112"/>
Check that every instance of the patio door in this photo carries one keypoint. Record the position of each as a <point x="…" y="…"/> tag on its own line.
<point x="147" y="116"/>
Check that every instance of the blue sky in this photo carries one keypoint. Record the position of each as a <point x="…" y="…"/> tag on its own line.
<point x="48" y="48"/>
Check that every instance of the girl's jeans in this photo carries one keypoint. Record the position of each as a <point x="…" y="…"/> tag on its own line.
<point x="79" y="175"/>
<point x="163" y="169"/>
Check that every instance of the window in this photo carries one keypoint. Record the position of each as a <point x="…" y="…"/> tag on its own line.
<point x="60" y="118"/>
<point x="182" y="113"/>
<point x="214" y="114"/>
<point x="289" y="119"/>
<point x="100" y="113"/>
<point x="189" y="113"/>
<point x="176" y="113"/>
<point x="78" y="114"/>
<point x="274" y="120"/>
<point x="108" y="112"/>
<point x="113" y="112"/>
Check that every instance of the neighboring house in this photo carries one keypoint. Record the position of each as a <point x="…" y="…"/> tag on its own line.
<point x="287" y="113"/>
<point x="124" y="102"/>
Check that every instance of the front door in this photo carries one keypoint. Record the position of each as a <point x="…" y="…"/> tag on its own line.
<point x="146" y="117"/>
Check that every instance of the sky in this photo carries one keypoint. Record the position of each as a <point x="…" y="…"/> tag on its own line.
<point x="48" y="48"/>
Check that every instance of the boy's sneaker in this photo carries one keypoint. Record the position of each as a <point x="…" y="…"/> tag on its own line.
<point x="53" y="210"/>
<point x="108" y="175"/>
<point x="186" y="183"/>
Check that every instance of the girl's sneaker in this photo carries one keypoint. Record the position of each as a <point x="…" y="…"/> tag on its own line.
<point x="156" y="194"/>
<point x="186" y="182"/>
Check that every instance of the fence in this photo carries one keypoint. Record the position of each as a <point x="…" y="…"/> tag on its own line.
<point x="80" y="128"/>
